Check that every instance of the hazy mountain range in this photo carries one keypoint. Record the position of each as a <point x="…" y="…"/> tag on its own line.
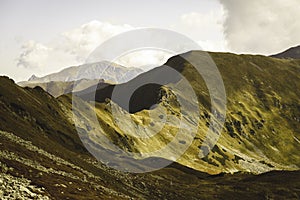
<point x="86" y="75"/>
<point x="256" y="157"/>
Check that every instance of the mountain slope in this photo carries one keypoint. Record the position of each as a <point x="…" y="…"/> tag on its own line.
<point x="85" y="75"/>
<point x="58" y="88"/>
<point x="41" y="157"/>
<point x="40" y="149"/>
<point x="261" y="131"/>
<point x="94" y="71"/>
<point x="293" y="53"/>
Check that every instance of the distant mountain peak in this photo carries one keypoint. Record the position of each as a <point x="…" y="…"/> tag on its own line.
<point x="87" y="75"/>
<point x="293" y="52"/>
<point x="33" y="77"/>
<point x="100" y="70"/>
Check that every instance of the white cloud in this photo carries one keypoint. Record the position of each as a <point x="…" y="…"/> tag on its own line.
<point x="207" y="25"/>
<point x="205" y="28"/>
<point x="68" y="49"/>
<point x="145" y="59"/>
<point x="214" y="45"/>
<point x="81" y="41"/>
<point x="34" y="54"/>
<point x="261" y="26"/>
<point x="72" y="48"/>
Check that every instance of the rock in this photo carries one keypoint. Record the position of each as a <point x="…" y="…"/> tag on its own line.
<point x="26" y="190"/>
<point x="60" y="185"/>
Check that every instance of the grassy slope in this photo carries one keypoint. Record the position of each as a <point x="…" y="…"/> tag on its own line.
<point x="261" y="131"/>
<point x="58" y="88"/>
<point x="42" y="145"/>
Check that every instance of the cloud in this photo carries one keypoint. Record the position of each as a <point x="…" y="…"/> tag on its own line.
<point x="145" y="59"/>
<point x="71" y="48"/>
<point x="205" y="28"/>
<point x="34" y="54"/>
<point x="213" y="45"/>
<point x="261" y="26"/>
<point x="81" y="41"/>
<point x="207" y="25"/>
<point x="68" y="49"/>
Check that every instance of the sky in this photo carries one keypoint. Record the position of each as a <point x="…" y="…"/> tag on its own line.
<point x="42" y="36"/>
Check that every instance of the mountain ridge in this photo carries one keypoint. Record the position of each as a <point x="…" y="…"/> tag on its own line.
<point x="98" y="70"/>
<point x="86" y="75"/>
<point x="291" y="53"/>
<point x="42" y="150"/>
<point x="256" y="101"/>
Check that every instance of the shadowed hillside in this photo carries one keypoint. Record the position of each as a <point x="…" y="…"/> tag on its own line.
<point x="43" y="157"/>
<point x="58" y="88"/>
<point x="261" y="131"/>
<point x="293" y="53"/>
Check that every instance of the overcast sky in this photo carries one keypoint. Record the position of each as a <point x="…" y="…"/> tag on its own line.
<point x="41" y="37"/>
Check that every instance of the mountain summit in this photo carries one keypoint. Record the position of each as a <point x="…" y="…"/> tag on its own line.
<point x="293" y="53"/>
<point x="33" y="77"/>
<point x="101" y="70"/>
<point x="86" y="75"/>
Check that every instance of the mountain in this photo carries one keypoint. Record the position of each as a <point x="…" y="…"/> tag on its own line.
<point x="261" y="131"/>
<point x="43" y="139"/>
<point x="42" y="157"/>
<point x="86" y="75"/>
<point x="33" y="77"/>
<point x="101" y="70"/>
<point x="58" y="88"/>
<point x="293" y="53"/>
